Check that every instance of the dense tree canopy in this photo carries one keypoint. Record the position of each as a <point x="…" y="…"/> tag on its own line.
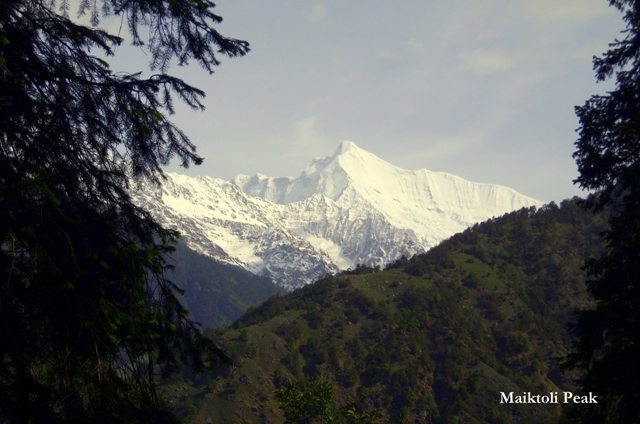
<point x="433" y="339"/>
<point x="87" y="318"/>
<point x="608" y="157"/>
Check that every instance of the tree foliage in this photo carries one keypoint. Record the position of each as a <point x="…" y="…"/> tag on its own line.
<point x="216" y="293"/>
<point x="607" y="344"/>
<point x="86" y="315"/>
<point x="439" y="347"/>
<point x="313" y="400"/>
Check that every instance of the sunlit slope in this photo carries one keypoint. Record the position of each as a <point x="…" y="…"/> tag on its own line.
<point x="345" y="209"/>
<point x="432" y="339"/>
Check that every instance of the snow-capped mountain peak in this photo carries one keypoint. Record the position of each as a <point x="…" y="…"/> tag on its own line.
<point x="348" y="208"/>
<point x="413" y="200"/>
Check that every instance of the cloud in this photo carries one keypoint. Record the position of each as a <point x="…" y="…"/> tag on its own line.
<point x="295" y="146"/>
<point x="383" y="53"/>
<point x="544" y="11"/>
<point x="444" y="149"/>
<point x="306" y="130"/>
<point x="484" y="62"/>
<point x="318" y="13"/>
<point x="307" y="138"/>
<point x="320" y="101"/>
<point x="416" y="46"/>
<point x="434" y="152"/>
<point x="586" y="52"/>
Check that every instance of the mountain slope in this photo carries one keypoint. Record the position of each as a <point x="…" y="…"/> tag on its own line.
<point x="430" y="206"/>
<point x="345" y="209"/>
<point x="218" y="220"/>
<point x="216" y="294"/>
<point x="434" y="339"/>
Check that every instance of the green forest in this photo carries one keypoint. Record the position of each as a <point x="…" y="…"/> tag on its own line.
<point x="106" y="318"/>
<point x="216" y="294"/>
<point x="434" y="338"/>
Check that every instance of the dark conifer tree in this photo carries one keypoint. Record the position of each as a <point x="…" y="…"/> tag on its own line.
<point x="87" y="318"/>
<point x="607" y="344"/>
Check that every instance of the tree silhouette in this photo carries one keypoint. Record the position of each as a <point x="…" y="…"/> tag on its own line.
<point x="87" y="318"/>
<point x="607" y="344"/>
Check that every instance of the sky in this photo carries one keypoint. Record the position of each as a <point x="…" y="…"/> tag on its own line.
<point x="483" y="89"/>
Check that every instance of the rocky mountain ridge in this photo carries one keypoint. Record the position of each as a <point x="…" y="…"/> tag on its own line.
<point x="348" y="208"/>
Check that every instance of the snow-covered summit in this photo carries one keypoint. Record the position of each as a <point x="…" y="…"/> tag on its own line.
<point x="434" y="205"/>
<point x="348" y="208"/>
<point x="344" y="146"/>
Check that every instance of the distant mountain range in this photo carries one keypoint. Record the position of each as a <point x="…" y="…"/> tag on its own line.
<point x="346" y="209"/>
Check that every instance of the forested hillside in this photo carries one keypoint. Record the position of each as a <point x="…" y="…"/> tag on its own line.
<point x="216" y="294"/>
<point x="432" y="339"/>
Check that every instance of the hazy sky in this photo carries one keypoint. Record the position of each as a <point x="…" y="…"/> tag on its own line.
<point x="481" y="89"/>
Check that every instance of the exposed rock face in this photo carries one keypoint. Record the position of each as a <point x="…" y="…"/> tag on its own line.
<point x="342" y="210"/>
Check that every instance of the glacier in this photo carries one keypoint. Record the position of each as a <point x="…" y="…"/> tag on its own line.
<point x="348" y="208"/>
